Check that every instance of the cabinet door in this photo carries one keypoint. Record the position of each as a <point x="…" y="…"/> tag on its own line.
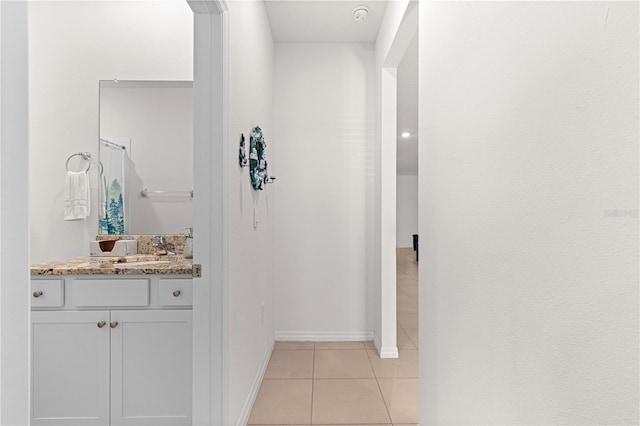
<point x="151" y="367"/>
<point x="70" y="368"/>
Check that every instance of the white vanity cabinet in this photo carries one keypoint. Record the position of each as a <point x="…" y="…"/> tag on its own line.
<point x="151" y="368"/>
<point x="112" y="365"/>
<point x="70" y="368"/>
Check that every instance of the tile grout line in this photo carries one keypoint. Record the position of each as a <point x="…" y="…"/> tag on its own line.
<point x="384" y="401"/>
<point x="313" y="381"/>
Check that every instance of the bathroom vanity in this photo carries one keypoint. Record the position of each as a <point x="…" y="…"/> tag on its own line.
<point x="111" y="343"/>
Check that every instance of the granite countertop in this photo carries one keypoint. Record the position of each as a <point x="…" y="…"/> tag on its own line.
<point x="129" y="265"/>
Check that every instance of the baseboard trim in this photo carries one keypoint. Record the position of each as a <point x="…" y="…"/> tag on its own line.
<point x="323" y="336"/>
<point x="376" y="342"/>
<point x="388" y="352"/>
<point x="255" y="387"/>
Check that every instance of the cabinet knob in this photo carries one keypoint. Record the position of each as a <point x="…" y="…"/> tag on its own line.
<point x="102" y="324"/>
<point x="37" y="294"/>
<point x="176" y="293"/>
<point x="113" y="324"/>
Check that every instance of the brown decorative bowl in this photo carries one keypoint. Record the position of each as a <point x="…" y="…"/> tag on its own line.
<point x="106" y="245"/>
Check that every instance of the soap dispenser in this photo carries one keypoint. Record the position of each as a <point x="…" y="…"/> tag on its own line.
<point x="188" y="245"/>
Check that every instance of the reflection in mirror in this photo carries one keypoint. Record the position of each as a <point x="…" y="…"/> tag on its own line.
<point x="115" y="168"/>
<point x="146" y="153"/>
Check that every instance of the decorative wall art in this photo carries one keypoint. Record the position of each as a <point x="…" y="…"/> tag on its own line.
<point x="242" y="155"/>
<point x="257" y="159"/>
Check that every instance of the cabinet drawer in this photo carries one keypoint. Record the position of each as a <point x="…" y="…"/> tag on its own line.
<point x="97" y="293"/>
<point x="175" y="292"/>
<point x="47" y="293"/>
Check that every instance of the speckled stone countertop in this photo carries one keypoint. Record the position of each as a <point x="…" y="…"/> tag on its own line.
<point x="129" y="265"/>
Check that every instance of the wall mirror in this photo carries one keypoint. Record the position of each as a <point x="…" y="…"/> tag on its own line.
<point x="146" y="157"/>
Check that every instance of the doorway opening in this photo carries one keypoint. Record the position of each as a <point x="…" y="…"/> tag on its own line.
<point x="407" y="237"/>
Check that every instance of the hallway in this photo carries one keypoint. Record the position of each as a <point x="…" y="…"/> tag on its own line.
<point x="346" y="383"/>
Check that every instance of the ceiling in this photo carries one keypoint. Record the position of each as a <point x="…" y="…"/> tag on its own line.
<point x="331" y="21"/>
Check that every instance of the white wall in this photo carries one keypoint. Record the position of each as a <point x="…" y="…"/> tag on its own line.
<point x="14" y="226"/>
<point x="528" y="138"/>
<point x="324" y="122"/>
<point x="407" y="210"/>
<point x="73" y="45"/>
<point x="393" y="36"/>
<point x="251" y="251"/>
<point x="159" y="122"/>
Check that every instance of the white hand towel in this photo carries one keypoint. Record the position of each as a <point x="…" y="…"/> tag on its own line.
<point x="76" y="196"/>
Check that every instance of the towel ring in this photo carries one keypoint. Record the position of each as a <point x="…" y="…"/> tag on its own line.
<point x="85" y="156"/>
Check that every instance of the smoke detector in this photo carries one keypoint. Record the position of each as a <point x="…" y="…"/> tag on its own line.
<point x="361" y="13"/>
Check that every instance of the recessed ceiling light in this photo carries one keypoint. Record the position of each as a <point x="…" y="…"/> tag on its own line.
<point x="405" y="134"/>
<point x="361" y="13"/>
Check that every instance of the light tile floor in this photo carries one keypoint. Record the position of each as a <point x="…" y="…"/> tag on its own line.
<point x="346" y="383"/>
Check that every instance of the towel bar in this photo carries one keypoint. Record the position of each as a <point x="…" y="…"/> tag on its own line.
<point x="146" y="193"/>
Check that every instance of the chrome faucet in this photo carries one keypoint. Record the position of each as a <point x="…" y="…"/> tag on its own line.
<point x="162" y="247"/>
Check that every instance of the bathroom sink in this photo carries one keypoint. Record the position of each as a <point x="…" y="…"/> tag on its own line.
<point x="140" y="258"/>
<point x="143" y="263"/>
